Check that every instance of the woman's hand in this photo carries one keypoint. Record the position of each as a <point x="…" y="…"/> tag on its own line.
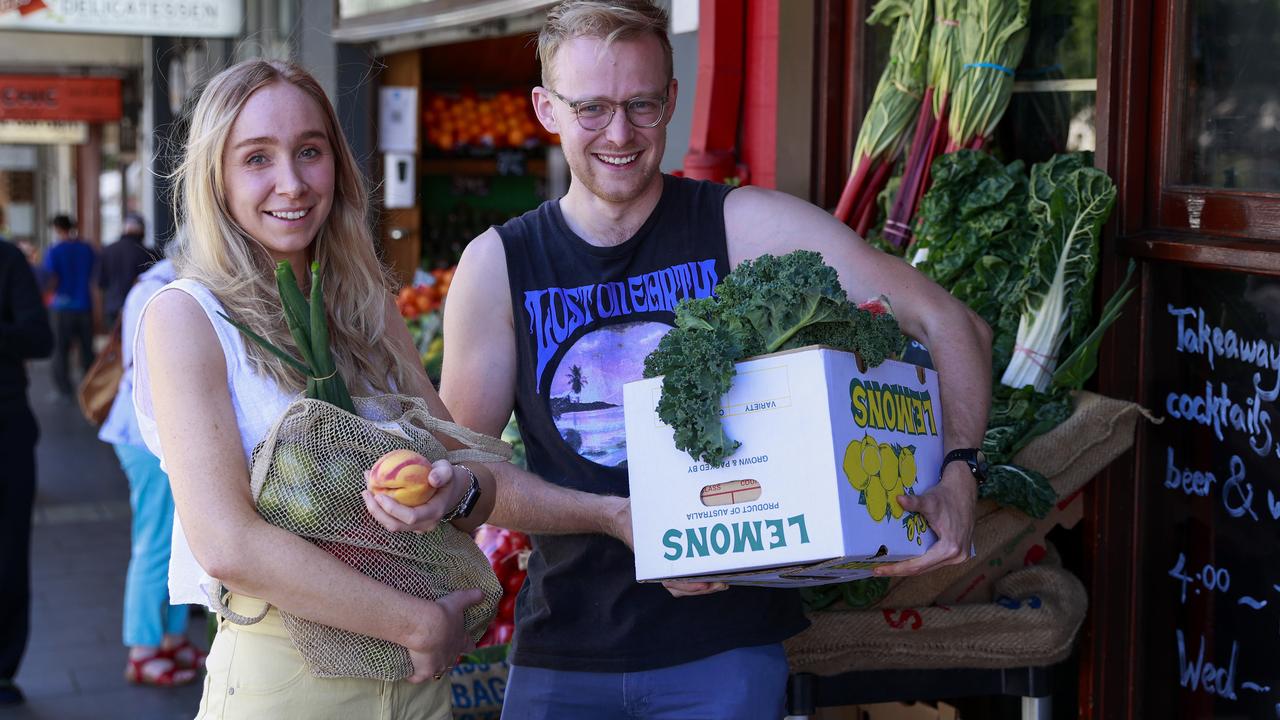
<point x="680" y="589"/>
<point x="446" y="640"/>
<point x="450" y="481"/>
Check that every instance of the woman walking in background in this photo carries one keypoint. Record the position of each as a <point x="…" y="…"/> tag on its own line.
<point x="154" y="630"/>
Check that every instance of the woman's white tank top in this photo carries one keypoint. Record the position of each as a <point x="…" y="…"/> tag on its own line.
<point x="258" y="402"/>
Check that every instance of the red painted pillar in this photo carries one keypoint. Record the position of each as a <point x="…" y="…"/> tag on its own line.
<point x="718" y="102"/>
<point x="760" y="107"/>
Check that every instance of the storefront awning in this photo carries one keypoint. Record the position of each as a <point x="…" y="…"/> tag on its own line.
<point x="403" y="24"/>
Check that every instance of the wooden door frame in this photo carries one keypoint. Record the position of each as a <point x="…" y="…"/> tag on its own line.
<point x="840" y="82"/>
<point x="1111" y="663"/>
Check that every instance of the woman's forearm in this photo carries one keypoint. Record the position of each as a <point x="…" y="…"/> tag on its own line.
<point x="293" y="575"/>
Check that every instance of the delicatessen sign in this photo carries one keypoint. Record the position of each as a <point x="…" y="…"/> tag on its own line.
<point x="182" y="18"/>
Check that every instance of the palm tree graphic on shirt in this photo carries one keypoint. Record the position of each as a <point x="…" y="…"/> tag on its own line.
<point x="577" y="381"/>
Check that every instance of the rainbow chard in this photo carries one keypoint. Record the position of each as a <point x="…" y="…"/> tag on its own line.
<point x="893" y="108"/>
<point x="993" y="34"/>
<point x="931" y="125"/>
<point x="310" y="330"/>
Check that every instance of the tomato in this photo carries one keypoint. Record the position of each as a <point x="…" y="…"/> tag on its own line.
<point x="513" y="582"/>
<point x="507" y="608"/>
<point x="502" y="633"/>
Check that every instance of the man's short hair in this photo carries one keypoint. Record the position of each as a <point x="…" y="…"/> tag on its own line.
<point x="63" y="223"/>
<point x="608" y="20"/>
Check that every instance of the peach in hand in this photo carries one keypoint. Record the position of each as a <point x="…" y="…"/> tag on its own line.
<point x="402" y="476"/>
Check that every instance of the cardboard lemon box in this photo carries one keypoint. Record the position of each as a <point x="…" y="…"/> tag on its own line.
<point x="809" y="497"/>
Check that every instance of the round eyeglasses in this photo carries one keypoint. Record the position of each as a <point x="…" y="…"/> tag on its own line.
<point x="642" y="112"/>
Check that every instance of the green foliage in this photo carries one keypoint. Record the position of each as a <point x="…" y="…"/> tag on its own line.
<point x="488" y="655"/>
<point x="1073" y="372"/>
<point x="511" y="436"/>
<point x="856" y="594"/>
<point x="1018" y="487"/>
<point x="698" y="367"/>
<point x="1020" y="415"/>
<point x="897" y="96"/>
<point x="971" y="236"/>
<point x="1070" y="201"/>
<point x="1002" y="244"/>
<point x="995" y="32"/>
<point x="764" y="305"/>
<point x="1017" y="417"/>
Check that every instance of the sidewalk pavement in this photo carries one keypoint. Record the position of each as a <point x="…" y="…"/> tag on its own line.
<point x="74" y="665"/>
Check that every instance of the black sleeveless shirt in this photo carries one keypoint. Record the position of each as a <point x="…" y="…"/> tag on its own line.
<point x="585" y="318"/>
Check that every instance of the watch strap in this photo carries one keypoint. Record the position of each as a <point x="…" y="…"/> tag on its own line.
<point x="972" y="457"/>
<point x="468" y="501"/>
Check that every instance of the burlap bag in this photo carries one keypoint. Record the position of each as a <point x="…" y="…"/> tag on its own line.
<point x="307" y="476"/>
<point x="1033" y="624"/>
<point x="1098" y="431"/>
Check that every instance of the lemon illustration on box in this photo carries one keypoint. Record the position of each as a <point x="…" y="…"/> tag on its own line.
<point x="811" y="495"/>
<point x="882" y="473"/>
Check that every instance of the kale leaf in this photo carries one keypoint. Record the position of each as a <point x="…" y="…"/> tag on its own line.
<point x="764" y="305"/>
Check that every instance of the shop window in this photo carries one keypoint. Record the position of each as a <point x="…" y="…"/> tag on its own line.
<point x="1052" y="110"/>
<point x="1216" y="121"/>
<point x="1054" y="104"/>
<point x="1229" y="134"/>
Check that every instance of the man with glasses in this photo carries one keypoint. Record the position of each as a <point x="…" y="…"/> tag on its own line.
<point x="551" y="313"/>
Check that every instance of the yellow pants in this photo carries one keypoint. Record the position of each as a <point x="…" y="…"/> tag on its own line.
<point x="255" y="673"/>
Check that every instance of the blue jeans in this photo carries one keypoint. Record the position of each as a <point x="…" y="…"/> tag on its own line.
<point x="148" y="616"/>
<point x="743" y="684"/>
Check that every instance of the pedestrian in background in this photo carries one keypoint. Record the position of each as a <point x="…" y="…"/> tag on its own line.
<point x="68" y="270"/>
<point x="154" y="630"/>
<point x="24" y="335"/>
<point x="121" y="263"/>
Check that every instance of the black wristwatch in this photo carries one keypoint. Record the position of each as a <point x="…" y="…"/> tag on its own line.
<point x="469" y="499"/>
<point x="973" y="457"/>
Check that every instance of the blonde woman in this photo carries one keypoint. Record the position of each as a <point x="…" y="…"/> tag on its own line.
<point x="268" y="176"/>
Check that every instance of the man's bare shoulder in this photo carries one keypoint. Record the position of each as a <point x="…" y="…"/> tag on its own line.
<point x="480" y="283"/>
<point x="486" y="252"/>
<point x="758" y="220"/>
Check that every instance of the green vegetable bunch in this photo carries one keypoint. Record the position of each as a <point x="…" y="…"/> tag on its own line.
<point x="764" y="305"/>
<point x="855" y="594"/>
<point x="1070" y="201"/>
<point x="972" y="233"/>
<point x="1022" y="254"/>
<point x="310" y="330"/>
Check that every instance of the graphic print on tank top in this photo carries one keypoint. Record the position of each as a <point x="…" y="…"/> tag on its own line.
<point x="592" y="340"/>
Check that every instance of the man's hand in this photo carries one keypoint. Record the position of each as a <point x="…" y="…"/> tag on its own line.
<point x="450" y="482"/>
<point x="949" y="509"/>
<point x="691" y="589"/>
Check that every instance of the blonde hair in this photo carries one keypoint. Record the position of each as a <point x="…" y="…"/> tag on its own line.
<point x="211" y="247"/>
<point x="608" y="20"/>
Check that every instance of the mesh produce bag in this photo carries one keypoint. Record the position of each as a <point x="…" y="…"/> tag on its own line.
<point x="307" y="477"/>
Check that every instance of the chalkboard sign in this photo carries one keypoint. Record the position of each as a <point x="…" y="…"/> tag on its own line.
<point x="1211" y="496"/>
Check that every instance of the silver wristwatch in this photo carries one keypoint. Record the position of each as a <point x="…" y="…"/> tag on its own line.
<point x="469" y="499"/>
